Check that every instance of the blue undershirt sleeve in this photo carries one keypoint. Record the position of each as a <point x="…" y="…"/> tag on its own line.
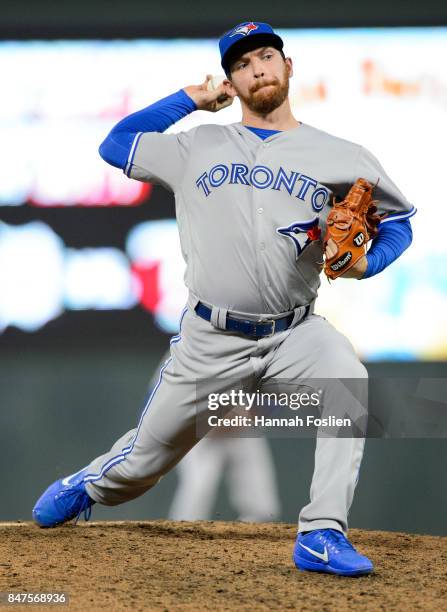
<point x="157" y="117"/>
<point x="391" y="241"/>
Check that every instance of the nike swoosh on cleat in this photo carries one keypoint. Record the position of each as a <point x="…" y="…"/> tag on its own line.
<point x="323" y="556"/>
<point x="66" y="481"/>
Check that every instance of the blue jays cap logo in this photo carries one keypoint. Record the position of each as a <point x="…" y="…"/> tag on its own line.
<point x="244" y="29"/>
<point x="244" y="37"/>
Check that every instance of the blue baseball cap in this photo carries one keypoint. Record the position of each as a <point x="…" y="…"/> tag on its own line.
<point x="246" y="37"/>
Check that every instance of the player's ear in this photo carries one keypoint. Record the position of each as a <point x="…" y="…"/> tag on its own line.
<point x="289" y="64"/>
<point x="229" y="88"/>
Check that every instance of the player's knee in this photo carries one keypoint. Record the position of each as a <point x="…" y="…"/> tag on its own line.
<point x="345" y="363"/>
<point x="358" y="370"/>
<point x="342" y="366"/>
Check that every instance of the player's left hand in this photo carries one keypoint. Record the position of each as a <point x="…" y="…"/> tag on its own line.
<point x="358" y="269"/>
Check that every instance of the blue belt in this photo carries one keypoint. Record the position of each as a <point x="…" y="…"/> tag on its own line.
<point x="255" y="329"/>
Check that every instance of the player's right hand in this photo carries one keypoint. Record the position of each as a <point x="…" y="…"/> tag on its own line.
<point x="212" y="101"/>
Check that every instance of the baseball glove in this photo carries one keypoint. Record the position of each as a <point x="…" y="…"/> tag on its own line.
<point x="351" y="224"/>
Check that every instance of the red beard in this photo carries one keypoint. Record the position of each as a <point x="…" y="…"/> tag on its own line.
<point x="264" y="100"/>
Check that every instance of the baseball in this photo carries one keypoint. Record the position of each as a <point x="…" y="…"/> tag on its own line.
<point x="215" y="81"/>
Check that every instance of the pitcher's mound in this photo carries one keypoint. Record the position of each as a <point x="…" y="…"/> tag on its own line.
<point x="209" y="565"/>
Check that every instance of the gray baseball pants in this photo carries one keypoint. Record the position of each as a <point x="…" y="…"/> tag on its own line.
<point x="312" y="349"/>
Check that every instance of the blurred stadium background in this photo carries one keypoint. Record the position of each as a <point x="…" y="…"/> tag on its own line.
<point x="90" y="268"/>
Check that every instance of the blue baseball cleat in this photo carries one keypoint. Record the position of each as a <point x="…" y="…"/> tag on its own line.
<point x="328" y="550"/>
<point x="64" y="500"/>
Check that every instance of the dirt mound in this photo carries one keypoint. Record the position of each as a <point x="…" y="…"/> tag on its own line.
<point x="209" y="565"/>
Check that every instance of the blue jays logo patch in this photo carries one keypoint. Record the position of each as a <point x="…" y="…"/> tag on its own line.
<point x="244" y="30"/>
<point x="301" y="234"/>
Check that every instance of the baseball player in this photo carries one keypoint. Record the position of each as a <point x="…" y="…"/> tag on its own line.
<point x="250" y="199"/>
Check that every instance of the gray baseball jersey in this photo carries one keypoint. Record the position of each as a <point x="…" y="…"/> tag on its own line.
<point x="244" y="207"/>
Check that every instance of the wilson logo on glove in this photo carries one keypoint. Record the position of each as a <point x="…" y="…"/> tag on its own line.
<point x="359" y="239"/>
<point x="342" y="262"/>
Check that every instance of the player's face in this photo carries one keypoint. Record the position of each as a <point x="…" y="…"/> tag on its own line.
<point x="261" y="79"/>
